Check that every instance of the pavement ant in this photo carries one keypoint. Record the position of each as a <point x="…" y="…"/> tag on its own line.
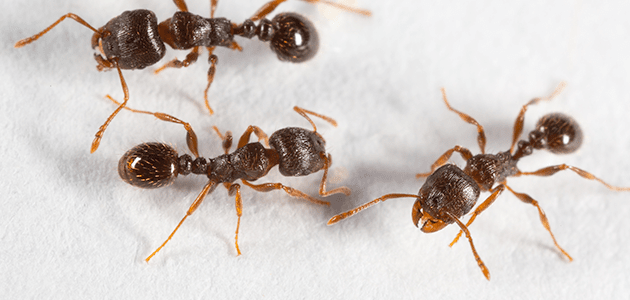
<point x="296" y="151"/>
<point x="450" y="192"/>
<point x="135" y="40"/>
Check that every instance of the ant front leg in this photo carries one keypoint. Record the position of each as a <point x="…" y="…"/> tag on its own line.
<point x="481" y="135"/>
<point x="465" y="153"/>
<point x="483" y="206"/>
<point x="97" y="139"/>
<point x="191" y="137"/>
<point x="176" y="63"/>
<point x="543" y="218"/>
<point x="480" y="263"/>
<point x="520" y="119"/>
<point x="234" y="189"/>
<point x="267" y="187"/>
<point x="244" y="140"/>
<point x="322" y="186"/>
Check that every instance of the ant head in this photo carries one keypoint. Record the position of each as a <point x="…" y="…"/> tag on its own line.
<point x="300" y="151"/>
<point x="149" y="165"/>
<point x="295" y="38"/>
<point x="561" y="134"/>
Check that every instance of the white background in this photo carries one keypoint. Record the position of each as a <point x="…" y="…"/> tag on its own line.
<point x="70" y="228"/>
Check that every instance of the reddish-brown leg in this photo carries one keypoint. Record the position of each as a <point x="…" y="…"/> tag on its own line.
<point x="303" y="113"/>
<point x="267" y="187"/>
<point x="465" y="153"/>
<point x="181" y="5"/>
<point x="212" y="59"/>
<point x="350" y="213"/>
<point x="543" y="218"/>
<point x="483" y="206"/>
<point x="234" y="189"/>
<point x="548" y="171"/>
<point x="481" y="135"/>
<point x="520" y="119"/>
<point x="206" y="190"/>
<point x="480" y="263"/>
<point x="244" y="140"/>
<point x="176" y="63"/>
<point x="213" y="7"/>
<point x="29" y="40"/>
<point x="271" y="6"/>
<point x="226" y="139"/>
<point x="101" y="130"/>
<point x="191" y="137"/>
<point x="322" y="186"/>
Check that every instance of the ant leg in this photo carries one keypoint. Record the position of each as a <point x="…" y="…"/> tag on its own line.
<point x="303" y="113"/>
<point x="518" y="124"/>
<point x="227" y="139"/>
<point x="191" y="137"/>
<point x="322" y="186"/>
<point x="548" y="171"/>
<point x="485" y="204"/>
<point x="234" y="189"/>
<point x="543" y="218"/>
<point x="481" y="135"/>
<point x="29" y="40"/>
<point x="213" y="7"/>
<point x="271" y="6"/>
<point x="463" y="227"/>
<point x="206" y="189"/>
<point x="213" y="60"/>
<point x="181" y="5"/>
<point x="176" y="63"/>
<point x="101" y="130"/>
<point x="267" y="187"/>
<point x="350" y="213"/>
<point x="257" y="131"/>
<point x="465" y="153"/>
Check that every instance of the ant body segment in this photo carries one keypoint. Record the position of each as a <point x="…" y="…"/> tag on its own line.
<point x="134" y="40"/>
<point x="450" y="192"/>
<point x="296" y="151"/>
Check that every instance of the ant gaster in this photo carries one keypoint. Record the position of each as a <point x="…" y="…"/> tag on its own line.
<point x="450" y="192"/>
<point x="135" y="40"/>
<point x="296" y="151"/>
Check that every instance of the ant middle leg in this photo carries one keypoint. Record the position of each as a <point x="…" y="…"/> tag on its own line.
<point x="481" y="135"/>
<point x="548" y="171"/>
<point x="483" y="206"/>
<point x="271" y="6"/>
<point x="322" y="186"/>
<point x="267" y="187"/>
<point x="176" y="63"/>
<point x="520" y="119"/>
<point x="191" y="137"/>
<point x="234" y="189"/>
<point x="465" y="153"/>
<point x="543" y="218"/>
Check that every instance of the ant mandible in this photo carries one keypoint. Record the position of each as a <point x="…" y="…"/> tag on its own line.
<point x="450" y="192"/>
<point x="296" y="151"/>
<point x="135" y="40"/>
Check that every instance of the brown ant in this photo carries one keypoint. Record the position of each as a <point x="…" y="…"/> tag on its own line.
<point x="296" y="151"/>
<point x="135" y="40"/>
<point x="450" y="192"/>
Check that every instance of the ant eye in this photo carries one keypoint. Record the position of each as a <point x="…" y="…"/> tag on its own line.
<point x="295" y="38"/>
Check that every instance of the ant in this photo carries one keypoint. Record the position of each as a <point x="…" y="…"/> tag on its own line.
<point x="135" y="40"/>
<point x="450" y="192"/>
<point x="296" y="151"/>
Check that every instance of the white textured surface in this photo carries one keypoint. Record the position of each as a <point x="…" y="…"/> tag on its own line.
<point x="70" y="228"/>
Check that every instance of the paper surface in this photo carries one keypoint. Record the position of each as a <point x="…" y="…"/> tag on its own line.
<point x="71" y="228"/>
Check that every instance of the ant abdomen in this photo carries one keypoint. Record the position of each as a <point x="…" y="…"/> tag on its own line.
<point x="133" y="39"/>
<point x="561" y="134"/>
<point x="295" y="38"/>
<point x="300" y="151"/>
<point x="149" y="165"/>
